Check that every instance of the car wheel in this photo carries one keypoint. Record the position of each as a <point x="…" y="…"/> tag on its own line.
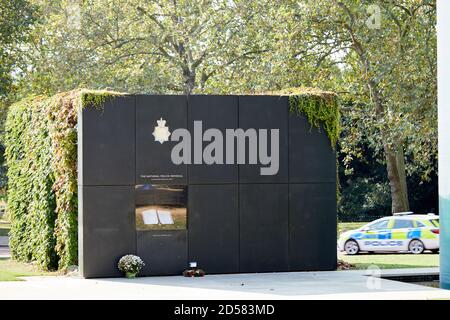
<point x="351" y="247"/>
<point x="416" y="246"/>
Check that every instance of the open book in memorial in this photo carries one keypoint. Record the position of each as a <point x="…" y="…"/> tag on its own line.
<point x="154" y="216"/>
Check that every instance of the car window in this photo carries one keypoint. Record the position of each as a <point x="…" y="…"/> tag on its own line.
<point x="435" y="222"/>
<point x="379" y="225"/>
<point x="403" y="223"/>
<point x="420" y="224"/>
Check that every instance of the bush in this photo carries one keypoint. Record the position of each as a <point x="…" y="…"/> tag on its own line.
<point x="364" y="199"/>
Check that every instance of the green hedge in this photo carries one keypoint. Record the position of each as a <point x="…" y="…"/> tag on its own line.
<point x="41" y="155"/>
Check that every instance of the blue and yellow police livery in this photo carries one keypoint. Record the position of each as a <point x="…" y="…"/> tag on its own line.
<point x="403" y="232"/>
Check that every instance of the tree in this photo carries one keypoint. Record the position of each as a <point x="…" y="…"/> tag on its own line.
<point x="387" y="56"/>
<point x="16" y="16"/>
<point x="142" y="46"/>
<point x="381" y="55"/>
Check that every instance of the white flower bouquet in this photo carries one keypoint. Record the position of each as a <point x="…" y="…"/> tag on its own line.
<point x="130" y="265"/>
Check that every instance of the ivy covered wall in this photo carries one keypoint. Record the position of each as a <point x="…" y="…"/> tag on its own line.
<point x="319" y="107"/>
<point x="41" y="155"/>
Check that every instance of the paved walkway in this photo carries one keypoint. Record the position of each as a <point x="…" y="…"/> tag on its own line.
<point x="295" y="285"/>
<point x="4" y="252"/>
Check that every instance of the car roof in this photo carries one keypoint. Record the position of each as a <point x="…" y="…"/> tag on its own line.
<point x="414" y="217"/>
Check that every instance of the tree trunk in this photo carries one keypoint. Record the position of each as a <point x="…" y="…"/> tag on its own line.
<point x="393" y="149"/>
<point x="189" y="80"/>
<point x="402" y="172"/>
<point x="395" y="158"/>
<point x="395" y="165"/>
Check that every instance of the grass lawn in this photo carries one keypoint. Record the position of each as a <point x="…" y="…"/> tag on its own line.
<point x="392" y="261"/>
<point x="10" y="270"/>
<point x="346" y="226"/>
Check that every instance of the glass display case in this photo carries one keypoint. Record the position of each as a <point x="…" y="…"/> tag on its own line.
<point x="161" y="207"/>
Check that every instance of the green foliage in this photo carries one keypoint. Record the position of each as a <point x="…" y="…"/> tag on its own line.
<point x="319" y="108"/>
<point x="16" y="16"/>
<point x="96" y="98"/>
<point x="364" y="199"/>
<point x="318" y="111"/>
<point x="30" y="196"/>
<point x="156" y="46"/>
<point x="41" y="155"/>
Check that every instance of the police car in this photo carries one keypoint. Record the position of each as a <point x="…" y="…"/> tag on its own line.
<point x="402" y="232"/>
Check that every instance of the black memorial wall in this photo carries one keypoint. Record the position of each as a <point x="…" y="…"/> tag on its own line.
<point x="237" y="219"/>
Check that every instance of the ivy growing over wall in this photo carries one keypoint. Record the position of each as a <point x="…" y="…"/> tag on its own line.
<point x="41" y="155"/>
<point x="321" y="108"/>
